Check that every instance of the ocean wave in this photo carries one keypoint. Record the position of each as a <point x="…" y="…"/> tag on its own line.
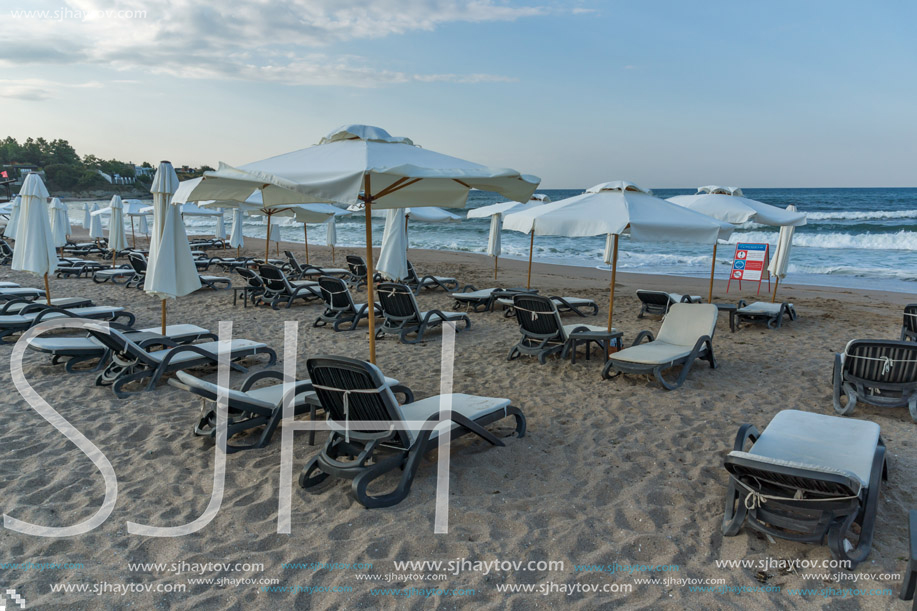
<point x="901" y="240"/>
<point x="861" y="215"/>
<point x="857" y="272"/>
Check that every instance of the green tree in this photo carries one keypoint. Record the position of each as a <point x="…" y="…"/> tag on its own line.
<point x="63" y="176"/>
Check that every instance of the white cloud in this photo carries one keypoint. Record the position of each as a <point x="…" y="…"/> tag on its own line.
<point x="37" y="90"/>
<point x="241" y="39"/>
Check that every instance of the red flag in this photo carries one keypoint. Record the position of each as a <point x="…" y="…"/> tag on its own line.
<point x="4" y="174"/>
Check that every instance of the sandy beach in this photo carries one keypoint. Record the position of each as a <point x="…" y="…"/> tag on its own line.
<point x="616" y="471"/>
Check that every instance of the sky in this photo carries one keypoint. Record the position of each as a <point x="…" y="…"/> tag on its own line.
<point x="660" y="93"/>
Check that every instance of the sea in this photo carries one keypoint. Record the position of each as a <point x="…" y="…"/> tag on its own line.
<point x="854" y="238"/>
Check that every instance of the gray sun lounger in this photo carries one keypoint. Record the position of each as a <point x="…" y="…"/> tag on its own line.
<point x="299" y="272"/>
<point x="15" y="306"/>
<point x="82" y="349"/>
<point x="808" y="477"/>
<point x="20" y="293"/>
<point x="8" y="285"/>
<point x="35" y="313"/>
<point x="483" y="300"/>
<point x="277" y="287"/>
<point x="576" y="305"/>
<point x="909" y="584"/>
<point x="685" y="336"/>
<point x="909" y="326"/>
<point x="416" y="283"/>
<point x="658" y="302"/>
<point x="544" y="333"/>
<point x="881" y="372"/>
<point x="353" y="392"/>
<point x="339" y="305"/>
<point x="116" y="275"/>
<point x="132" y="363"/>
<point x="250" y="407"/>
<point x="402" y="316"/>
<point x="760" y="311"/>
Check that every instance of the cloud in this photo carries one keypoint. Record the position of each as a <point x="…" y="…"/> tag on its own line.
<point x="38" y="90"/>
<point x="278" y="42"/>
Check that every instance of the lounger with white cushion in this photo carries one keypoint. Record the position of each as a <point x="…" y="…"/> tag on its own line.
<point x="85" y="348"/>
<point x="251" y="407"/>
<point x="577" y="305"/>
<point x="482" y="300"/>
<point x="808" y="477"/>
<point x="360" y="404"/>
<point x="19" y="293"/>
<point x="416" y="283"/>
<point x="278" y="288"/>
<point x="17" y="323"/>
<point x="659" y="302"/>
<point x="685" y="336"/>
<point x="8" y="285"/>
<point x="881" y="372"/>
<point x="215" y="282"/>
<point x="340" y="307"/>
<point x="300" y="271"/>
<point x="132" y="363"/>
<point x="760" y="311"/>
<point x="117" y="275"/>
<point x="15" y="306"/>
<point x="403" y="317"/>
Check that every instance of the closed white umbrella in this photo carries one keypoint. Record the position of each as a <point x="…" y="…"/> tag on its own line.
<point x="172" y="273"/>
<point x="117" y="240"/>
<point x="60" y="222"/>
<point x="611" y="209"/>
<point x="87" y="220"/>
<point x="331" y="234"/>
<point x="10" y="231"/>
<point x="142" y="226"/>
<point x="781" y="260"/>
<point x="496" y="213"/>
<point x="34" y="251"/>
<point x="221" y="226"/>
<point x="164" y="184"/>
<point x="236" y="239"/>
<point x="393" y="261"/>
<point x="95" y="223"/>
<point x="361" y="163"/>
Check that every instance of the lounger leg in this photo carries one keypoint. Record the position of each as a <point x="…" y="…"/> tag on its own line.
<point x="839" y="387"/>
<point x="410" y="464"/>
<point x="735" y="512"/>
<point x="517" y="414"/>
<point x="867" y="518"/>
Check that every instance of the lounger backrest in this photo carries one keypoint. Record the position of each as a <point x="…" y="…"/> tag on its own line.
<point x="660" y="298"/>
<point x="120" y="343"/>
<point x="357" y="266"/>
<point x="910" y="317"/>
<point x="763" y="474"/>
<point x="335" y="294"/>
<point x="882" y="361"/>
<point x="538" y="317"/>
<point x="397" y="301"/>
<point x="687" y="322"/>
<point x="138" y="262"/>
<point x="273" y="277"/>
<point x="5" y="249"/>
<point x="344" y="374"/>
<point x="293" y="262"/>
<point x="412" y="275"/>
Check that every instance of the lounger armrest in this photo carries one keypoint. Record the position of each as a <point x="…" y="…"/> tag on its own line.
<point x="299" y="387"/>
<point x="468" y="288"/>
<point x="432" y="313"/>
<point x="6" y="304"/>
<point x="648" y="335"/>
<point x="264" y="374"/>
<point x="909" y="584"/>
<point x="404" y="390"/>
<point x="165" y="342"/>
<point x="742" y="303"/>
<point x="747" y="432"/>
<point x="47" y="311"/>
<point x="686" y="299"/>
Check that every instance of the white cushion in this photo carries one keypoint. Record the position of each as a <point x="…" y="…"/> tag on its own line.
<point x="211" y="348"/>
<point x="653" y="353"/>
<point x="473" y="295"/>
<point x="687" y="322"/>
<point x="470" y="406"/>
<point x="761" y="307"/>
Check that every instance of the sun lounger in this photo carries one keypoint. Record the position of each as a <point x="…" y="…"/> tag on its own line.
<point x="909" y="327"/>
<point x="231" y="264"/>
<point x="86" y="248"/>
<point x="339" y="305"/>
<point x="403" y="317"/>
<point x="8" y="285"/>
<point x="577" y="305"/>
<point x="254" y="289"/>
<point x="85" y="348"/>
<point x="36" y="313"/>
<point x="544" y="334"/>
<point x="357" y="267"/>
<point x="354" y="392"/>
<point x="482" y="300"/>
<point x="806" y="478"/>
<point x="685" y="336"/>
<point x="659" y="302"/>
<point x="277" y="287"/>
<point x="216" y="283"/>
<point x="117" y="275"/>
<point x="69" y="268"/>
<point x="429" y="282"/>
<point x="299" y="272"/>
<point x="132" y="363"/>
<point x="909" y="584"/>
<point x="760" y="311"/>
<point x="15" y="306"/>
<point x="6" y="252"/>
<point x="880" y="372"/>
<point x="20" y="293"/>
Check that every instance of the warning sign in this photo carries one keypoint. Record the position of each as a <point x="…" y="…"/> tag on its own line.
<point x="749" y="264"/>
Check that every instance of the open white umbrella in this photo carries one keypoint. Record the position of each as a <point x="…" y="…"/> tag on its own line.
<point x="331" y="234"/>
<point x="60" y="222"/>
<point x="361" y="163"/>
<point x="95" y="224"/>
<point x="781" y="260"/>
<point x="610" y="209"/>
<point x="300" y="213"/>
<point x="87" y="220"/>
<point x="730" y="205"/>
<point x="496" y="213"/>
<point x="117" y="240"/>
<point x="15" y="208"/>
<point x="34" y="251"/>
<point x="164" y="184"/>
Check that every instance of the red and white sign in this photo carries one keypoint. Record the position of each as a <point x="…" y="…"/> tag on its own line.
<point x="749" y="264"/>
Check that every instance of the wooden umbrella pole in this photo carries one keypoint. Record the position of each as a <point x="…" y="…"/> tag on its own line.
<point x="614" y="272"/>
<point x="370" y="297"/>
<point x="47" y="290"/>
<point x="237" y="251"/>
<point x="496" y="258"/>
<point x="114" y="257"/>
<point x="528" y="282"/>
<point x="267" y="242"/>
<point x="332" y="253"/>
<point x="712" y="268"/>
<point x="305" y="230"/>
<point x="776" y="283"/>
<point x="133" y="236"/>
<point x="163" y="316"/>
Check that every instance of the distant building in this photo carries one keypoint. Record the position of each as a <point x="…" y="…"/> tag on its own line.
<point x="18" y="171"/>
<point x="140" y="170"/>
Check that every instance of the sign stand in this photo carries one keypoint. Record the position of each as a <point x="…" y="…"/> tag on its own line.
<point x="750" y="263"/>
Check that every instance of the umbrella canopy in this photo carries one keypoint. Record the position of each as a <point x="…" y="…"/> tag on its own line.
<point x="142" y="226"/>
<point x="129" y="207"/>
<point x="10" y="231"/>
<point x="301" y="213"/>
<point x="164" y="184"/>
<point x="34" y="251"/>
<point x="60" y="222"/>
<point x="221" y="225"/>
<point x="236" y="239"/>
<point x="781" y="260"/>
<point x="331" y="233"/>
<point x="727" y="204"/>
<point x="95" y="223"/>
<point x="117" y="240"/>
<point x="496" y="212"/>
<point x="432" y="214"/>
<point x="612" y="208"/>
<point x="171" y="272"/>
<point x="87" y="220"/>
<point x="393" y="260"/>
